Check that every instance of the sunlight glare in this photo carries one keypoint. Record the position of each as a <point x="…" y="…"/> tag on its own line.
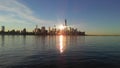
<point x="61" y="44"/>
<point x="61" y="27"/>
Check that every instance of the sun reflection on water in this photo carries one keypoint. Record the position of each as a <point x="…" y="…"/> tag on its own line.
<point x="62" y="43"/>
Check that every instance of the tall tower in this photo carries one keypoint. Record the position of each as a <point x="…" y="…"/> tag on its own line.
<point x="65" y="22"/>
<point x="36" y="29"/>
<point x="3" y="29"/>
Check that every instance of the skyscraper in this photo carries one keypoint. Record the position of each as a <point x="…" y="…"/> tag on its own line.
<point x="65" y="22"/>
<point x="3" y="29"/>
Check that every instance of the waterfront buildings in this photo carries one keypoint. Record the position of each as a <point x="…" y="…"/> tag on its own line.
<point x="3" y="29"/>
<point x="62" y="30"/>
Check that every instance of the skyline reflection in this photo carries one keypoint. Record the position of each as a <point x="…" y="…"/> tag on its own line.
<point x="2" y="40"/>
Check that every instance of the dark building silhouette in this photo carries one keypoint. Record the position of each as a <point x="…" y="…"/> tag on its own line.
<point x="37" y="31"/>
<point x="3" y="29"/>
<point x="66" y="30"/>
<point x="65" y="22"/>
<point x="24" y="32"/>
<point x="43" y="30"/>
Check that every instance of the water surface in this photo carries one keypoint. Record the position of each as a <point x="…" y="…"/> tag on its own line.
<point x="59" y="51"/>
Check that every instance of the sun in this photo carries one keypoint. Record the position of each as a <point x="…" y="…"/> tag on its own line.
<point x="61" y="27"/>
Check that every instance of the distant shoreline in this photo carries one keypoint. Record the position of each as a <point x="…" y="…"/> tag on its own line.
<point x="53" y="35"/>
<point x="102" y="35"/>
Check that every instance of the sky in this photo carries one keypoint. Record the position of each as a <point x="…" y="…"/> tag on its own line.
<point x="95" y="17"/>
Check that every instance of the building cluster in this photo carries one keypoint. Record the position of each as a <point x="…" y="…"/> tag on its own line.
<point x="63" y="30"/>
<point x="14" y="32"/>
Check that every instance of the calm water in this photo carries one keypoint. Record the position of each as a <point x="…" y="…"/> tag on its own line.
<point x="59" y="51"/>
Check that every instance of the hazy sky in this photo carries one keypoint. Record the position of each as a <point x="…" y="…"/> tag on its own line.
<point x="91" y="16"/>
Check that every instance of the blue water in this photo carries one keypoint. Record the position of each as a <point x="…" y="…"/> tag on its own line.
<point x="59" y="51"/>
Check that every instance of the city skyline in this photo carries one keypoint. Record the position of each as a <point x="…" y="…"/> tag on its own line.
<point x="95" y="17"/>
<point x="63" y="29"/>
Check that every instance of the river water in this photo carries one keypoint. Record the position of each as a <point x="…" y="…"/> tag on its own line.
<point x="59" y="51"/>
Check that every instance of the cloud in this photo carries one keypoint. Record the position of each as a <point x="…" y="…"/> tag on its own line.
<point x="15" y="11"/>
<point x="11" y="20"/>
